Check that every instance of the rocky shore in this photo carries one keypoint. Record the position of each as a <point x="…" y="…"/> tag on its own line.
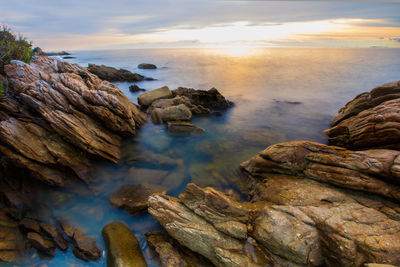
<point x="309" y="204"/>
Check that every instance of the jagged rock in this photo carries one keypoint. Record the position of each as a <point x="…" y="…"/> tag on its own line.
<point x="147" y="66"/>
<point x="55" y="234"/>
<point x="378" y="95"/>
<point x="114" y="75"/>
<point x="85" y="247"/>
<point x="134" y="88"/>
<point x="168" y="102"/>
<point x="147" y="98"/>
<point x="184" y="128"/>
<point x="133" y="198"/>
<point x="208" y="99"/>
<point x="377" y="127"/>
<point x="370" y="170"/>
<point x="11" y="241"/>
<point x="174" y="113"/>
<point x="41" y="244"/>
<point x="30" y="225"/>
<point x="172" y="254"/>
<point x="59" y="111"/>
<point x="122" y="247"/>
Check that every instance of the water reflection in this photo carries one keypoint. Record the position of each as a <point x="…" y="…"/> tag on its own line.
<point x="280" y="94"/>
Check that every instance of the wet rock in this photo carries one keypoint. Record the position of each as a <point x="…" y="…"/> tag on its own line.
<point x="377" y="127"/>
<point x="175" y="178"/>
<point x="147" y="66"/>
<point x="211" y="99"/>
<point x="85" y="247"/>
<point x="368" y="170"/>
<point x="200" y="110"/>
<point x="150" y="158"/>
<point x="184" y="128"/>
<point x="30" y="225"/>
<point x="55" y="234"/>
<point x="114" y="75"/>
<point x="134" y="88"/>
<point x="134" y="198"/>
<point x="60" y="112"/>
<point x="168" y="102"/>
<point x="149" y="176"/>
<point x="12" y="244"/>
<point x="173" y="254"/>
<point x="147" y="98"/>
<point x="174" y="113"/>
<point x="41" y="244"/>
<point x="122" y="247"/>
<point x="68" y="229"/>
<point x="364" y="101"/>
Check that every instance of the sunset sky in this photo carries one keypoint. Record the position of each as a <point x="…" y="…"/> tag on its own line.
<point x="90" y="24"/>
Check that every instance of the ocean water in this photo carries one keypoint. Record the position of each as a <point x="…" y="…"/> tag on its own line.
<point x="280" y="94"/>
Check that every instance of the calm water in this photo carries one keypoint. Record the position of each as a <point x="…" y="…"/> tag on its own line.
<point x="261" y="82"/>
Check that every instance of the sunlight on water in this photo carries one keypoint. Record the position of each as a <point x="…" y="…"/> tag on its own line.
<point x="280" y="94"/>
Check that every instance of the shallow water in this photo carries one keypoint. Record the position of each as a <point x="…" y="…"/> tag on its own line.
<point x="280" y="94"/>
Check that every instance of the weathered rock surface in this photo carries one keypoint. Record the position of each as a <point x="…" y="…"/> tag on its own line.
<point x="11" y="240"/>
<point x="377" y="127"/>
<point x="208" y="99"/>
<point x="363" y="101"/>
<point x="149" y="97"/>
<point x="173" y="113"/>
<point x="41" y="244"/>
<point x="122" y="247"/>
<point x="373" y="171"/>
<point x="147" y="66"/>
<point x="114" y="75"/>
<point x="57" y="111"/>
<point x="55" y="234"/>
<point x="184" y="128"/>
<point x="134" y="198"/>
<point x="172" y="254"/>
<point x="85" y="247"/>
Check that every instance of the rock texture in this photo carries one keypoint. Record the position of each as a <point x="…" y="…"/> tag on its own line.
<point x="147" y="98"/>
<point x="122" y="247"/>
<point x="56" y="113"/>
<point x="206" y="98"/>
<point x="114" y="75"/>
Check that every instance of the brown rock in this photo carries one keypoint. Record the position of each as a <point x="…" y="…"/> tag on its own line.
<point x="86" y="247"/>
<point x="174" y="113"/>
<point x="41" y="244"/>
<point x="207" y="99"/>
<point x="114" y="75"/>
<point x="184" y="128"/>
<point x="30" y="225"/>
<point x="122" y="247"/>
<point x="134" y="198"/>
<point x="55" y="235"/>
<point x="149" y="97"/>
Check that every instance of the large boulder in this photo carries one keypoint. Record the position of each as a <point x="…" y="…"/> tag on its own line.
<point x="173" y="113"/>
<point x="114" y="75"/>
<point x="56" y="113"/>
<point x="122" y="247"/>
<point x="149" y="97"/>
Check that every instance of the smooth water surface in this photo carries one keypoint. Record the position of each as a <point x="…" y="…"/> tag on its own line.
<point x="280" y="94"/>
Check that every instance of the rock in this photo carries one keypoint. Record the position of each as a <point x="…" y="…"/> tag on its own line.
<point x="158" y="143"/>
<point x="148" y="176"/>
<point x="55" y="235"/>
<point x="147" y="66"/>
<point x="61" y="53"/>
<point x="68" y="229"/>
<point x="133" y="198"/>
<point x="41" y="244"/>
<point x="12" y="244"/>
<point x="185" y="226"/>
<point x="114" y="75"/>
<point x="134" y="88"/>
<point x="85" y="247"/>
<point x="377" y="265"/>
<point x="173" y="254"/>
<point x="69" y="57"/>
<point x="58" y="113"/>
<point x="200" y="110"/>
<point x="370" y="170"/>
<point x="123" y="248"/>
<point x="30" y="225"/>
<point x="211" y="99"/>
<point x="369" y="100"/>
<point x="184" y="128"/>
<point x="168" y="102"/>
<point x="377" y="127"/>
<point x="149" y="158"/>
<point x="147" y="98"/>
<point x="174" y="113"/>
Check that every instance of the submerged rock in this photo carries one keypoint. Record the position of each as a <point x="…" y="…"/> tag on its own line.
<point x="59" y="112"/>
<point x="134" y="198"/>
<point x="184" y="128"/>
<point x="147" y="66"/>
<point x="122" y="247"/>
<point x="149" y="97"/>
<point x="114" y="75"/>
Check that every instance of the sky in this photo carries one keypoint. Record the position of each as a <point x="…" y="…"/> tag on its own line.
<point x="97" y="24"/>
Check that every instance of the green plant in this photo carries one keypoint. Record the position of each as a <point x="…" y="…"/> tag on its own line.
<point x="13" y="47"/>
<point x="2" y="88"/>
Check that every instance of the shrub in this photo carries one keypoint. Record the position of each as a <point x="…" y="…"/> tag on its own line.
<point x="13" y="47"/>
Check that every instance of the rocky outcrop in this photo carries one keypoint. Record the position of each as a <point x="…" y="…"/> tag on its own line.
<point x="378" y="95"/>
<point x="147" y="66"/>
<point x="134" y="88"/>
<point x="114" y="75"/>
<point x="56" y="113"/>
<point x="12" y="244"/>
<point x="147" y="98"/>
<point x="133" y="198"/>
<point x="211" y="99"/>
<point x="122" y="247"/>
<point x="377" y="127"/>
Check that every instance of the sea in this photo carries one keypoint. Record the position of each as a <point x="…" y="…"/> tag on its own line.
<point x="280" y="94"/>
